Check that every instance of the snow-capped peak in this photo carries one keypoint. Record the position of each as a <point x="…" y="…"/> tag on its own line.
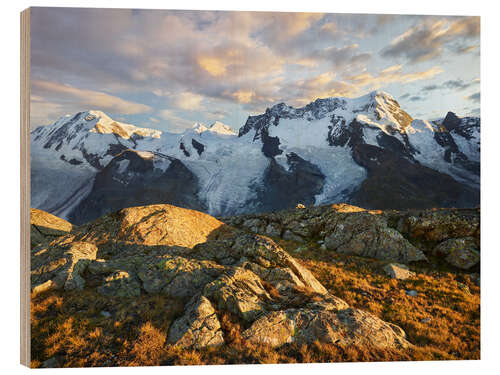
<point x="376" y="109"/>
<point x="198" y="128"/>
<point x="381" y="94"/>
<point x="217" y="127"/>
<point x="106" y="125"/>
<point x="221" y="128"/>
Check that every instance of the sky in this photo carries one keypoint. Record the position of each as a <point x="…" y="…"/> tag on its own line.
<point x="169" y="69"/>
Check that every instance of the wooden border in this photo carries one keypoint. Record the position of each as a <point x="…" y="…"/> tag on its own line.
<point x="25" y="188"/>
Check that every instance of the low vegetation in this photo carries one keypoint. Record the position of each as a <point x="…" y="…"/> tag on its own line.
<point x="83" y="328"/>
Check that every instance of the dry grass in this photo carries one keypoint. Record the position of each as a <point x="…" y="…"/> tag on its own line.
<point x="72" y="327"/>
<point x="443" y="320"/>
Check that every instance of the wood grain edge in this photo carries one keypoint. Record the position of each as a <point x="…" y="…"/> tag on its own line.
<point x="25" y="350"/>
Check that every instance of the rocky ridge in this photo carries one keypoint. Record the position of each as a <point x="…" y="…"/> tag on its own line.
<point x="398" y="236"/>
<point x="217" y="269"/>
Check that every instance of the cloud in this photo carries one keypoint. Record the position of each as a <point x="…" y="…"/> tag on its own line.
<point x="476" y="97"/>
<point x="190" y="62"/>
<point x="161" y="92"/>
<point x="404" y="96"/>
<point x="87" y="98"/>
<point x="324" y="85"/>
<point x="453" y="84"/>
<point x="458" y="84"/>
<point x="243" y="96"/>
<point x="461" y="49"/>
<point x="416" y="98"/>
<point x="427" y="39"/>
<point x="43" y="112"/>
<point x="176" y="123"/>
<point x="392" y="74"/>
<point x="432" y="87"/>
<point x="217" y="114"/>
<point x="154" y="120"/>
<point x="475" y="112"/>
<point x="340" y="57"/>
<point x="186" y="100"/>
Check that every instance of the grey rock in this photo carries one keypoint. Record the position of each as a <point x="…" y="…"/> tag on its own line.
<point x="120" y="284"/>
<point x="347" y="326"/>
<point x="50" y="363"/>
<point x="254" y="225"/>
<point x="368" y="235"/>
<point x="460" y="252"/>
<point x="61" y="265"/>
<point x="290" y="236"/>
<point x="198" y="327"/>
<point x="273" y="230"/>
<point x="398" y="271"/>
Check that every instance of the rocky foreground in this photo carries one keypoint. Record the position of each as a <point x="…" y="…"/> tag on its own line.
<point x="216" y="280"/>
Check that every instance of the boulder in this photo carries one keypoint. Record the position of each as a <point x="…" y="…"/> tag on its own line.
<point x="46" y="227"/>
<point x="273" y="230"/>
<point x="254" y="225"/>
<point x="459" y="252"/>
<point x="120" y="284"/>
<point x="346" y="327"/>
<point x="368" y="235"/>
<point x="398" y="271"/>
<point x="440" y="225"/>
<point x="199" y="327"/>
<point x="154" y="225"/>
<point x="239" y="291"/>
<point x="61" y="265"/>
<point x="290" y="236"/>
<point x="50" y="363"/>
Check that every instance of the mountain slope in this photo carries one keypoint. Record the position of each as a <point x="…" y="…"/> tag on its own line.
<point x="82" y="166"/>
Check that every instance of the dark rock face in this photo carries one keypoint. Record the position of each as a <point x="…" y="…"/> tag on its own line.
<point x="198" y="146"/>
<point x="183" y="148"/>
<point x="283" y="189"/>
<point x="394" y="145"/>
<point x="451" y="122"/>
<point x="397" y="183"/>
<point x="270" y="145"/>
<point x="342" y="134"/>
<point x="140" y="184"/>
<point x="462" y="127"/>
<point x="453" y="155"/>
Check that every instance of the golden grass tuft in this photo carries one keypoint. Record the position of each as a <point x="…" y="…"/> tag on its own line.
<point x="149" y="346"/>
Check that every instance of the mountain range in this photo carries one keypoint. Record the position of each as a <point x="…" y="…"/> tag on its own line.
<point x="366" y="151"/>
